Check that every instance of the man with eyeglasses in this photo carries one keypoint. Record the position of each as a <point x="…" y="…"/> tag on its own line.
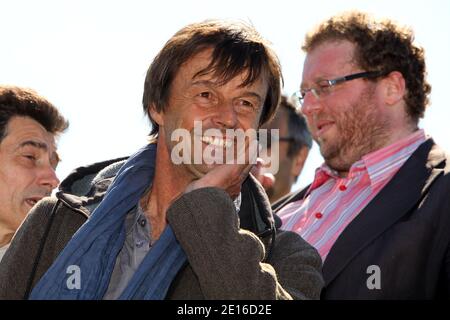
<point x="378" y="209"/>
<point x="294" y="144"/>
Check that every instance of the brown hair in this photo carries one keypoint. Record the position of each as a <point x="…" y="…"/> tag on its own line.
<point x="381" y="45"/>
<point x="297" y="129"/>
<point x="22" y="102"/>
<point x="298" y="135"/>
<point x="236" y="47"/>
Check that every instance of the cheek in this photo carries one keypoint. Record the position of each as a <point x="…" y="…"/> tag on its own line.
<point x="284" y="169"/>
<point x="257" y="119"/>
<point x="249" y="121"/>
<point x="339" y="114"/>
<point x="192" y="113"/>
<point x="15" y="179"/>
<point x="10" y="191"/>
<point x="5" y="192"/>
<point x="309" y="122"/>
<point x="20" y="180"/>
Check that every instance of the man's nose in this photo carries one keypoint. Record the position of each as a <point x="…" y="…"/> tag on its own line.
<point x="47" y="177"/>
<point x="225" y="116"/>
<point x="310" y="104"/>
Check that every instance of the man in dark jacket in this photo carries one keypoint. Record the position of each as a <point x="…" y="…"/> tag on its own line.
<point x="189" y="230"/>
<point x="378" y="210"/>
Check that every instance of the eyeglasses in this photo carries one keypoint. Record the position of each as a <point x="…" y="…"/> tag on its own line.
<point x="290" y="140"/>
<point x="324" y="87"/>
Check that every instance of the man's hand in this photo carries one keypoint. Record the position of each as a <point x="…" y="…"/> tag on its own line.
<point x="228" y="177"/>
<point x="266" y="179"/>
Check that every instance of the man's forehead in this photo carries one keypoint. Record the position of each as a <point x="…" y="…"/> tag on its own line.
<point x="200" y="67"/>
<point x="24" y="131"/>
<point x="238" y="80"/>
<point x="333" y="50"/>
<point x="45" y="140"/>
<point x="328" y="58"/>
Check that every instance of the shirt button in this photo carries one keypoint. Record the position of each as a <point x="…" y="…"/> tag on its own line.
<point x="139" y="243"/>
<point x="319" y="215"/>
<point x="342" y="187"/>
<point x="143" y="222"/>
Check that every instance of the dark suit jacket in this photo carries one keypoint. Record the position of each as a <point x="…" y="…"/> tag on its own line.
<point x="404" y="230"/>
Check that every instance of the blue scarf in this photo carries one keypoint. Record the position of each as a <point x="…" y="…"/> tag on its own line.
<point x="95" y="246"/>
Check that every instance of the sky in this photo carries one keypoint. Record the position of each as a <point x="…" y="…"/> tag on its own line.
<point x="89" y="58"/>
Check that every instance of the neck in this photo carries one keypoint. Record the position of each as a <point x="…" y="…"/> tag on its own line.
<point x="5" y="236"/>
<point x="393" y="137"/>
<point x="398" y="135"/>
<point x="167" y="185"/>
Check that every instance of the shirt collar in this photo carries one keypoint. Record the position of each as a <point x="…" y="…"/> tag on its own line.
<point x="373" y="163"/>
<point x="383" y="163"/>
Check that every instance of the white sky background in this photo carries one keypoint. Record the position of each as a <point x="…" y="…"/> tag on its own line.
<point x="90" y="58"/>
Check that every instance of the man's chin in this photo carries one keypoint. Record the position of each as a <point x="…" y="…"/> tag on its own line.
<point x="200" y="170"/>
<point x="327" y="151"/>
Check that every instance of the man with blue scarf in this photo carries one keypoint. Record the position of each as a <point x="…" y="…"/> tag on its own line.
<point x="169" y="230"/>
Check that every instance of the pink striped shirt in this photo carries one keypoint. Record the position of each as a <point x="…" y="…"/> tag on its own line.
<point x="332" y="202"/>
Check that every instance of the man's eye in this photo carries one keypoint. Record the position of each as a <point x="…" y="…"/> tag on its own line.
<point x="246" y="103"/>
<point x="206" y="95"/>
<point x="30" y="157"/>
<point x="324" y="86"/>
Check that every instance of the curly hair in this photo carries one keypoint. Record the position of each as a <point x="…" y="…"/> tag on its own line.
<point x="236" y="47"/>
<point x="23" y="102"/>
<point x="381" y="45"/>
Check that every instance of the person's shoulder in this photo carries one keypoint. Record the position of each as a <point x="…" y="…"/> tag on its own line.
<point x="85" y="181"/>
<point x="291" y="239"/>
<point x="43" y="209"/>
<point x="291" y="243"/>
<point x="434" y="154"/>
<point x="52" y="208"/>
<point x="447" y="163"/>
<point x="439" y="159"/>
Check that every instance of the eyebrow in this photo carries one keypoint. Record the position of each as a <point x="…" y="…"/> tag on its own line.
<point x="43" y="146"/>
<point x="36" y="144"/>
<point x="210" y="83"/>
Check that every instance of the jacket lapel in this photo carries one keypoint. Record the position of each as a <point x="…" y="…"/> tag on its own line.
<point x="255" y="214"/>
<point x="397" y="198"/>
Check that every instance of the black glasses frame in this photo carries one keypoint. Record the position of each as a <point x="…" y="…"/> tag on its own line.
<point x="326" y="84"/>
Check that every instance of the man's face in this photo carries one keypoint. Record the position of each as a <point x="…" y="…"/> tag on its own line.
<point x="348" y="121"/>
<point x="203" y="100"/>
<point x="28" y="160"/>
<point x="284" y="177"/>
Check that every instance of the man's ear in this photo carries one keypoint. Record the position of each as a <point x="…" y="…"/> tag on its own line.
<point x="394" y="88"/>
<point x="299" y="161"/>
<point x="156" y="115"/>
